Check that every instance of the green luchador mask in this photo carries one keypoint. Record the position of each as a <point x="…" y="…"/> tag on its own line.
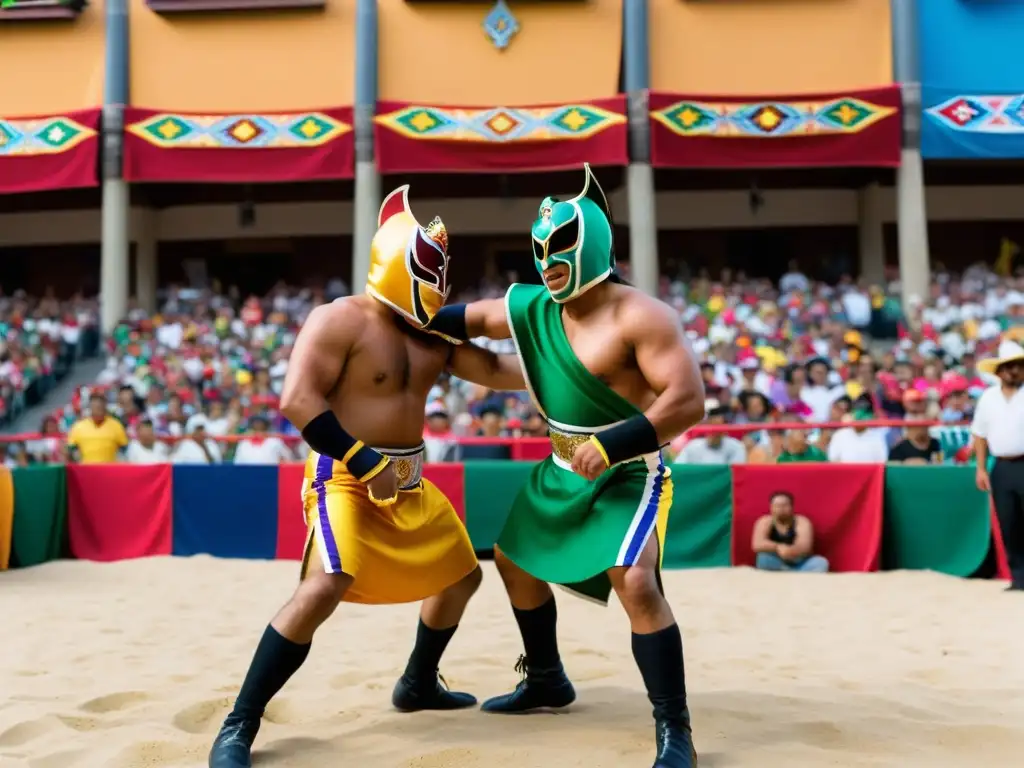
<point x="577" y="233"/>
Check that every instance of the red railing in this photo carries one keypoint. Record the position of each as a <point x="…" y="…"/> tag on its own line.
<point x="698" y="431"/>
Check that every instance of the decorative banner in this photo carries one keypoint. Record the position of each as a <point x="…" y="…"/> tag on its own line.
<point x="699" y="530"/>
<point x="49" y="152"/>
<point x="843" y="502"/>
<point x="40" y="514"/>
<point x="256" y="512"/>
<point x="119" y="511"/>
<point x="959" y="125"/>
<point x="238" y="148"/>
<point x="861" y="128"/>
<point x="245" y="500"/>
<point x="957" y="541"/>
<point x="413" y="138"/>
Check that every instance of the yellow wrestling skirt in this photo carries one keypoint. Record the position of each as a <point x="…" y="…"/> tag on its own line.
<point x="408" y="551"/>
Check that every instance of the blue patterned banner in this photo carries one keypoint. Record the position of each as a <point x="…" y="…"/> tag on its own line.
<point x="972" y="125"/>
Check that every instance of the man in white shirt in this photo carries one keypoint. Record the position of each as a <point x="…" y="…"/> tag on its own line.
<point x="857" y="306"/>
<point x="262" y="448"/>
<point x="858" y="445"/>
<point x="819" y="393"/>
<point x="145" y="448"/>
<point x="197" y="448"/>
<point x="998" y="430"/>
<point x="715" y="448"/>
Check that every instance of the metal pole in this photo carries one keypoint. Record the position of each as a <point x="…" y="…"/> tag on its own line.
<point x="911" y="215"/>
<point x="643" y="230"/>
<point x="367" y="179"/>
<point x="115" y="207"/>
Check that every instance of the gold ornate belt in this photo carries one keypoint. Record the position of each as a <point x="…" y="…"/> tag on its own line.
<point x="564" y="444"/>
<point x="408" y="464"/>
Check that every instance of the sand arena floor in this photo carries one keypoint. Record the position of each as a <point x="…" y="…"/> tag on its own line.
<point x="134" y="664"/>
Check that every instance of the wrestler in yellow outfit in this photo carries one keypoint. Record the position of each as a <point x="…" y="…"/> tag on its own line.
<point x="409" y="551"/>
<point x="359" y="375"/>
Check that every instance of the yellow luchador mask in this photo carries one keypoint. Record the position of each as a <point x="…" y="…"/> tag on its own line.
<point x="408" y="262"/>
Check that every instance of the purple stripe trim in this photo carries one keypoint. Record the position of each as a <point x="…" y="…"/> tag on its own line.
<point x="650" y="517"/>
<point x="324" y="467"/>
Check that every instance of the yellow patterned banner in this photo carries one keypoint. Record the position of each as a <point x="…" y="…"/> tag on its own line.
<point x="301" y="130"/>
<point x="771" y="119"/>
<point x="41" y="136"/>
<point x="500" y="124"/>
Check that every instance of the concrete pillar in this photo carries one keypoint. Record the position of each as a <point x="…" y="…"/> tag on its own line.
<point x="114" y="216"/>
<point x="915" y="263"/>
<point x="871" y="235"/>
<point x="643" y="229"/>
<point x="146" y="259"/>
<point x="911" y="216"/>
<point x="367" y="180"/>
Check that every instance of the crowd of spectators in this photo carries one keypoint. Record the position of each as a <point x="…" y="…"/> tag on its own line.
<point x="40" y="340"/>
<point x="199" y="381"/>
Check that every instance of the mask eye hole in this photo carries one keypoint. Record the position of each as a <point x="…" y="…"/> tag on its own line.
<point x="564" y="238"/>
<point x="538" y="250"/>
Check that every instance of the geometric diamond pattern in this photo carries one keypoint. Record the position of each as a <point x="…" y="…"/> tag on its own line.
<point x="239" y="131"/>
<point x="41" y="136"/>
<point x="500" y="124"/>
<point x="771" y="119"/>
<point x="981" y="114"/>
<point x="500" y="25"/>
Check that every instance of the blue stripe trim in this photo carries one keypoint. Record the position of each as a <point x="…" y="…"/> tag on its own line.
<point x="324" y="469"/>
<point x="650" y="517"/>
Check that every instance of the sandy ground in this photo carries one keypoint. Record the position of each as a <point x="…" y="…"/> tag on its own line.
<point x="135" y="664"/>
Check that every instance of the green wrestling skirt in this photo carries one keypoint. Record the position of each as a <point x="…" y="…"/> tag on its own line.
<point x="566" y="530"/>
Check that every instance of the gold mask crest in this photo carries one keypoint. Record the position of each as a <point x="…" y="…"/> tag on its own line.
<point x="408" y="262"/>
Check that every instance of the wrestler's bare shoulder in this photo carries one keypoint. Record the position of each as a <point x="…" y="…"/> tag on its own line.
<point x="637" y="310"/>
<point x="348" y="317"/>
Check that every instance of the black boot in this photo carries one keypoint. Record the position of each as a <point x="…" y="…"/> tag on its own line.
<point x="539" y="689"/>
<point x="675" y="745"/>
<point x="421" y="687"/>
<point x="544" y="684"/>
<point x="659" y="655"/>
<point x="413" y="695"/>
<point x="233" y="746"/>
<point x="276" y="659"/>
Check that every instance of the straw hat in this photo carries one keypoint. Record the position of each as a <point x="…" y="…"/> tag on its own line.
<point x="1009" y="351"/>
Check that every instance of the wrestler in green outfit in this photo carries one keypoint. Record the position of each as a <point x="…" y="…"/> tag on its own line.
<point x="609" y="369"/>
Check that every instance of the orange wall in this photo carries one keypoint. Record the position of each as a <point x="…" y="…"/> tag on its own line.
<point x="34" y="81"/>
<point x="764" y="47"/>
<point x="243" y="61"/>
<point x="438" y="53"/>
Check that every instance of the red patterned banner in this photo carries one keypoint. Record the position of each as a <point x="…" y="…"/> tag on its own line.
<point x="238" y="148"/>
<point x="858" y="128"/>
<point x="49" y="152"/>
<point x="415" y="138"/>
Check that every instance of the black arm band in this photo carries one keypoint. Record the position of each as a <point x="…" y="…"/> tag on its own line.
<point x="633" y="437"/>
<point x="450" y="321"/>
<point x="326" y="436"/>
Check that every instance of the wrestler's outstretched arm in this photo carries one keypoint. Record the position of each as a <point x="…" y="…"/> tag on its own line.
<point x="460" y="322"/>
<point x="670" y="369"/>
<point x="481" y="366"/>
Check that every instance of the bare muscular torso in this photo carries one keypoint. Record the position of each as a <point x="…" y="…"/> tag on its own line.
<point x="602" y="336"/>
<point x="382" y="392"/>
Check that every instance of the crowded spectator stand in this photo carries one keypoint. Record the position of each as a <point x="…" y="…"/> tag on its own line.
<point x="787" y="368"/>
<point x="40" y="340"/>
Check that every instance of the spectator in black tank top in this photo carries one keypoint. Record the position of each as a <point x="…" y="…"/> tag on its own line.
<point x="917" y="446"/>
<point x="784" y="541"/>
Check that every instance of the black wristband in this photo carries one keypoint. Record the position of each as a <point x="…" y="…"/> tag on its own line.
<point x="633" y="437"/>
<point x="326" y="436"/>
<point x="450" y="321"/>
